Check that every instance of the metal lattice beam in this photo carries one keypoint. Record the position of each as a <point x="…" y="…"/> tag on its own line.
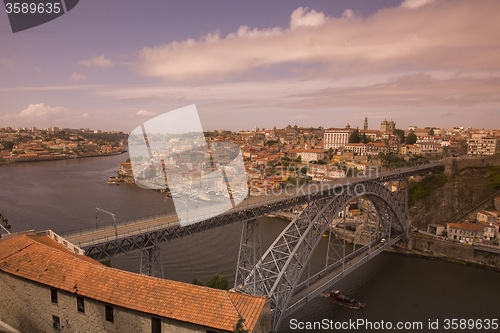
<point x="280" y="268"/>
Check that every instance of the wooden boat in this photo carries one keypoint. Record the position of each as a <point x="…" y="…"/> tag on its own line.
<point x="344" y="300"/>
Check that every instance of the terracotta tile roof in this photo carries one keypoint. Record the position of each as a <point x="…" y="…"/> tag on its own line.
<point x="466" y="226"/>
<point x="40" y="259"/>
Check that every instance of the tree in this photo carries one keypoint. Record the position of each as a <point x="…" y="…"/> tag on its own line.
<point x="400" y="134"/>
<point x="218" y="282"/>
<point x="238" y="327"/>
<point x="365" y="139"/>
<point x="411" y="138"/>
<point x="355" y="138"/>
<point x="7" y="145"/>
<point x="197" y="282"/>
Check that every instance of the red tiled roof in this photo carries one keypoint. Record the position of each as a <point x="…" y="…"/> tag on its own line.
<point x="466" y="226"/>
<point x="40" y="259"/>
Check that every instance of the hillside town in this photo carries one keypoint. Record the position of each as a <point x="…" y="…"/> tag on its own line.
<point x="52" y="143"/>
<point x="276" y="157"/>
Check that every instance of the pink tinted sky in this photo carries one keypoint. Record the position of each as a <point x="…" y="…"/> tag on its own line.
<point x="113" y="64"/>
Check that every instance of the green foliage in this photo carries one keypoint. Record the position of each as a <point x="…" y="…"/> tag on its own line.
<point x="366" y="139"/>
<point x="422" y="189"/>
<point x="197" y="282"/>
<point x="411" y="138"/>
<point x="355" y="137"/>
<point x="61" y="135"/>
<point x="104" y="138"/>
<point x="271" y="142"/>
<point x="216" y="133"/>
<point x="7" y="145"/>
<point x="400" y="134"/>
<point x="106" y="263"/>
<point x="238" y="327"/>
<point x="494" y="183"/>
<point x="391" y="160"/>
<point x="218" y="282"/>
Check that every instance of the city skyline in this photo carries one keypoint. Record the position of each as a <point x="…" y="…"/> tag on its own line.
<point x="315" y="63"/>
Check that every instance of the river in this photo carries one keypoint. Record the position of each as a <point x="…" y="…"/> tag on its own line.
<point x="63" y="196"/>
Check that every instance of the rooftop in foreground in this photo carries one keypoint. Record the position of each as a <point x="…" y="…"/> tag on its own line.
<point x="42" y="260"/>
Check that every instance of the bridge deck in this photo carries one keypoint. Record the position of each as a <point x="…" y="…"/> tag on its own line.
<point x="92" y="237"/>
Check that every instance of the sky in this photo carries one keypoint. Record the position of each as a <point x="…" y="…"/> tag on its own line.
<point x="114" y="64"/>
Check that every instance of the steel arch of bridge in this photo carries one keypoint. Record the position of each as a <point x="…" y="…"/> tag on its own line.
<point x="277" y="274"/>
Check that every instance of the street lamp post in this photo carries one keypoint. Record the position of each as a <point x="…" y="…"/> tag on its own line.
<point x="112" y="215"/>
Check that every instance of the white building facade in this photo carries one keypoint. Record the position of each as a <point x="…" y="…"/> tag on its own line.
<point x="336" y="137"/>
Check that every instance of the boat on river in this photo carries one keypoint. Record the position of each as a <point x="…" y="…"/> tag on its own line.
<point x="344" y="300"/>
<point x="5" y="221"/>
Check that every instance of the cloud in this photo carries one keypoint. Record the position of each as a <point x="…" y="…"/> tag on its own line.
<point x="348" y="13"/>
<point x="304" y="17"/>
<point x="6" y="62"/>
<point x="97" y="61"/>
<point x="419" y="90"/>
<point x="76" y="77"/>
<point x="41" y="111"/>
<point x="453" y="35"/>
<point x="412" y="4"/>
<point x="145" y="113"/>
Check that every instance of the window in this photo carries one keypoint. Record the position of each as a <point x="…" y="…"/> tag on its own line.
<point x="109" y="313"/>
<point x="56" y="323"/>
<point x="155" y="325"/>
<point x="80" y="304"/>
<point x="53" y="295"/>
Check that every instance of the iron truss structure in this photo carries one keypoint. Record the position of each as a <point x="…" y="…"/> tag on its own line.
<point x="278" y="272"/>
<point x="149" y="241"/>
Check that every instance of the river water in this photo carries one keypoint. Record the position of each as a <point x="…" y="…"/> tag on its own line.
<point x="63" y="196"/>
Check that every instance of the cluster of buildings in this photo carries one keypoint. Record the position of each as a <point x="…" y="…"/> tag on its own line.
<point x="273" y="156"/>
<point x="32" y="144"/>
<point x="484" y="229"/>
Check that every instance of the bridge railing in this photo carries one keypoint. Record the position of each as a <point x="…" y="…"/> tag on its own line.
<point x="173" y="223"/>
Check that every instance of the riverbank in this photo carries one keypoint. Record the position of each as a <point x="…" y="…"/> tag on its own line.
<point x="431" y="256"/>
<point x="62" y="157"/>
<point x="441" y="249"/>
<point x="450" y="251"/>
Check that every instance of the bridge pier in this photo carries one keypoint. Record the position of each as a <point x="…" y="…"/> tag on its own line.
<point x="151" y="263"/>
<point x="248" y="256"/>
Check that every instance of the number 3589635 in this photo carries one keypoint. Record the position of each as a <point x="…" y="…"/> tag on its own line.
<point x="32" y="8"/>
